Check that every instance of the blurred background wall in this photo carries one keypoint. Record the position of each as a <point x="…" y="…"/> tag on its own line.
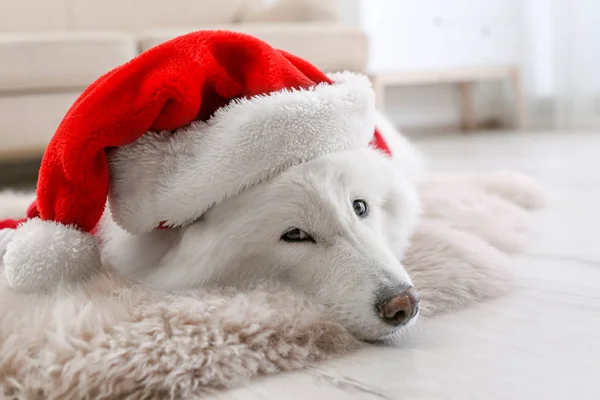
<point x="50" y="50"/>
<point x="552" y="41"/>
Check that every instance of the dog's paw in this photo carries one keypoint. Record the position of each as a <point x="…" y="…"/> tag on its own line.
<point x="515" y="187"/>
<point x="467" y="206"/>
<point x="453" y="268"/>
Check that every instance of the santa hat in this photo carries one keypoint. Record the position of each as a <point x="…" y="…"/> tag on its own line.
<point x="173" y="132"/>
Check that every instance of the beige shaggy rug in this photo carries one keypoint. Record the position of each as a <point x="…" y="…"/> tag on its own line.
<point x="115" y="339"/>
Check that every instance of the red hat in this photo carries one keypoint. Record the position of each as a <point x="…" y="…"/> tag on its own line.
<point x="174" y="131"/>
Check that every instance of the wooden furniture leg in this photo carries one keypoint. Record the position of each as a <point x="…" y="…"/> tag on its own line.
<point x="520" y="103"/>
<point x="468" y="112"/>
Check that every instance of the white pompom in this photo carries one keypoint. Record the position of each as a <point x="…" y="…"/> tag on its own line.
<point x="43" y="255"/>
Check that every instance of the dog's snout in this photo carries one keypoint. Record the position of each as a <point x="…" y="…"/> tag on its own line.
<point x="400" y="308"/>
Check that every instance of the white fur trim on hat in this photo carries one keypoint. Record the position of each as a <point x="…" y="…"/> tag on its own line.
<point x="44" y="254"/>
<point x="176" y="177"/>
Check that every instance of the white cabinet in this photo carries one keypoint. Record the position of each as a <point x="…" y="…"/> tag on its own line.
<point x="438" y="34"/>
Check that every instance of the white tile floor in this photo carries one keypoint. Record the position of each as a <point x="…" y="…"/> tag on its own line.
<point x="543" y="342"/>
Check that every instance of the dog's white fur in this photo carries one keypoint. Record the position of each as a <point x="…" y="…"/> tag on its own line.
<point x="354" y="262"/>
<point x="354" y="265"/>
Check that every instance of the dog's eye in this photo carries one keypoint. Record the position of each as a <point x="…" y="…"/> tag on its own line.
<point x="296" y="235"/>
<point x="361" y="208"/>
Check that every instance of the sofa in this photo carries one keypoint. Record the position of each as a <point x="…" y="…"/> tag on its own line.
<point x="50" y="50"/>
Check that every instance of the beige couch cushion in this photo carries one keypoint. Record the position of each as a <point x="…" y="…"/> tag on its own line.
<point x="28" y="122"/>
<point x="292" y="11"/>
<point x="60" y="60"/>
<point x="33" y="15"/>
<point x="330" y="47"/>
<point x="133" y="15"/>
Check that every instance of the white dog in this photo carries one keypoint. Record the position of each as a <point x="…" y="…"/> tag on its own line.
<point x="334" y="228"/>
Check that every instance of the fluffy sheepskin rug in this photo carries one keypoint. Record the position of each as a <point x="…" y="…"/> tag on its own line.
<point x="116" y="339"/>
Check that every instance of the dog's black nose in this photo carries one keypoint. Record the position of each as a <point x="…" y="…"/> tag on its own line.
<point x="400" y="308"/>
